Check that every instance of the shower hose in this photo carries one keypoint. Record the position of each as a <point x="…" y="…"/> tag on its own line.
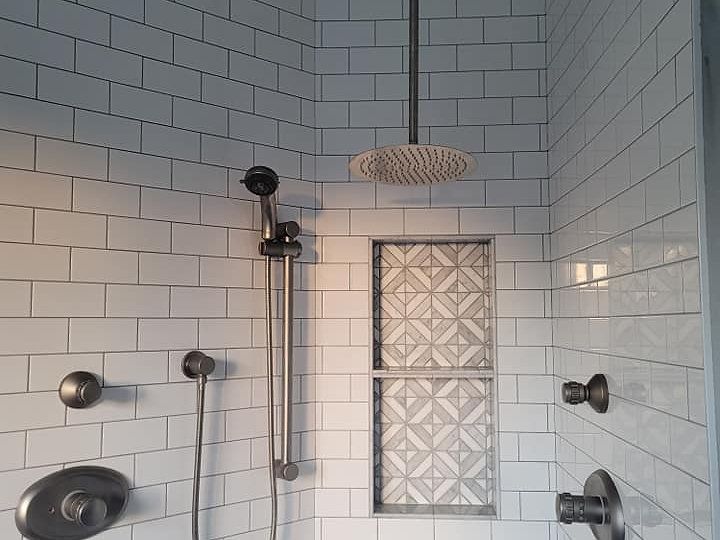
<point x="201" y="383"/>
<point x="271" y="393"/>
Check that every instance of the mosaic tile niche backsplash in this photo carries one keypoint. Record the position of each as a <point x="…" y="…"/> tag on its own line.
<point x="433" y="378"/>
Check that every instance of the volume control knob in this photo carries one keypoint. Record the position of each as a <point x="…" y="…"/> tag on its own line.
<point x="84" y="509"/>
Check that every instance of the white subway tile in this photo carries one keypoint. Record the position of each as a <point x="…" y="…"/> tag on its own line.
<point x="197" y="302"/>
<point x="393" y="528"/>
<point x="72" y="159"/>
<point x="16" y="299"/>
<point x="107" y="130"/>
<point x="170" y="205"/>
<point x="73" y="89"/>
<point x="138" y="234"/>
<point x="20" y="76"/>
<point x="163" y="334"/>
<point x="31" y="411"/>
<point x="44" y="119"/>
<point x="107" y="63"/>
<point x="139" y="169"/>
<point x="196" y="116"/>
<point x="228" y="34"/>
<point x="36" y="45"/>
<point x="103" y="335"/>
<point x="22" y="261"/>
<point x="140" y="104"/>
<point x="103" y="266"/>
<point x="226" y="152"/>
<point x="105" y="198"/>
<point x="70" y="228"/>
<point x="223" y="333"/>
<point x="218" y="272"/>
<point x="376" y="222"/>
<point x="199" y="240"/>
<point x="16" y="379"/>
<point x="170" y="142"/>
<point x="137" y="301"/>
<point x="68" y="300"/>
<point x="63" y="444"/>
<point x="134" y="436"/>
<point x="142" y="39"/>
<point x="124" y="369"/>
<point x="173" y="17"/>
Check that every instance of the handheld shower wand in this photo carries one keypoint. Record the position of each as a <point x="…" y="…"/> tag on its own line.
<point x="198" y="366"/>
<point x="278" y="241"/>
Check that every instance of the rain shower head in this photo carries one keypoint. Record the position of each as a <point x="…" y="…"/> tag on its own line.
<point x="261" y="181"/>
<point x="413" y="163"/>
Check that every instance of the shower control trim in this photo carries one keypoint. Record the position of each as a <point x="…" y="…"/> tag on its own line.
<point x="595" y="392"/>
<point x="79" y="390"/>
<point x="72" y="504"/>
<point x="599" y="506"/>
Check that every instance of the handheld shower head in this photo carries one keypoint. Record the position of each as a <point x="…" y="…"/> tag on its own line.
<point x="261" y="181"/>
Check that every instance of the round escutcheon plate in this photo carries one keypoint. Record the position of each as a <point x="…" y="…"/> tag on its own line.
<point x="599" y="484"/>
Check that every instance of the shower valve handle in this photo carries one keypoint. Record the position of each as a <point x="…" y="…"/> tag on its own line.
<point x="580" y="509"/>
<point x="84" y="509"/>
<point x="595" y="392"/>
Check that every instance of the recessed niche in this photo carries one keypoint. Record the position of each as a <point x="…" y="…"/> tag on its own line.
<point x="433" y="379"/>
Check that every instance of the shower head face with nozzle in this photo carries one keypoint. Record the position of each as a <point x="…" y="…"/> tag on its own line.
<point x="261" y="181"/>
<point x="413" y="164"/>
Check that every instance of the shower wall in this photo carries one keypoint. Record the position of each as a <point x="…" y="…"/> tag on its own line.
<point x="485" y="95"/>
<point x="126" y="240"/>
<point x="624" y="250"/>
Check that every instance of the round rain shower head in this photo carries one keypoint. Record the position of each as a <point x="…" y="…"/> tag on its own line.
<point x="412" y="164"/>
<point x="261" y="181"/>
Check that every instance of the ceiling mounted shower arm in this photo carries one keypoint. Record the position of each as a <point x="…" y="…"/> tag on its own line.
<point x="414" y="68"/>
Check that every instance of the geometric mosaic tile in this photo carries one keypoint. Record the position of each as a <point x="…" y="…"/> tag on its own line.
<point x="433" y="442"/>
<point x="433" y="436"/>
<point x="432" y="305"/>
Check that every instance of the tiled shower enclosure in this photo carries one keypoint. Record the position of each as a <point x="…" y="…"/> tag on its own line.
<point x="433" y="378"/>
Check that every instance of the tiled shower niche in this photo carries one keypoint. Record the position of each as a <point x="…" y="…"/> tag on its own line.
<point x="433" y="438"/>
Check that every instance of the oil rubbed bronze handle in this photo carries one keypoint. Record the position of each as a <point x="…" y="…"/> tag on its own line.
<point x="595" y="392"/>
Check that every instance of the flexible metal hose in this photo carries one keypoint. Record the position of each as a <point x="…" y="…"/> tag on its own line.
<point x="271" y="393"/>
<point x="201" y="382"/>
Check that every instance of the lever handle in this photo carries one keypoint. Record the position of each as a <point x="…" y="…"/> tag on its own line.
<point x="595" y="392"/>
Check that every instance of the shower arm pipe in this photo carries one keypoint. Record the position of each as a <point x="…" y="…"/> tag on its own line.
<point x="414" y="57"/>
<point x="268" y="212"/>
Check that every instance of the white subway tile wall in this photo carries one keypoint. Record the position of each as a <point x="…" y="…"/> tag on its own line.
<point x="624" y="256"/>
<point x="127" y="241"/>
<point x="486" y="95"/>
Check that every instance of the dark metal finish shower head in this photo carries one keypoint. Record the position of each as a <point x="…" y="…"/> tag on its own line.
<point x="261" y="181"/>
